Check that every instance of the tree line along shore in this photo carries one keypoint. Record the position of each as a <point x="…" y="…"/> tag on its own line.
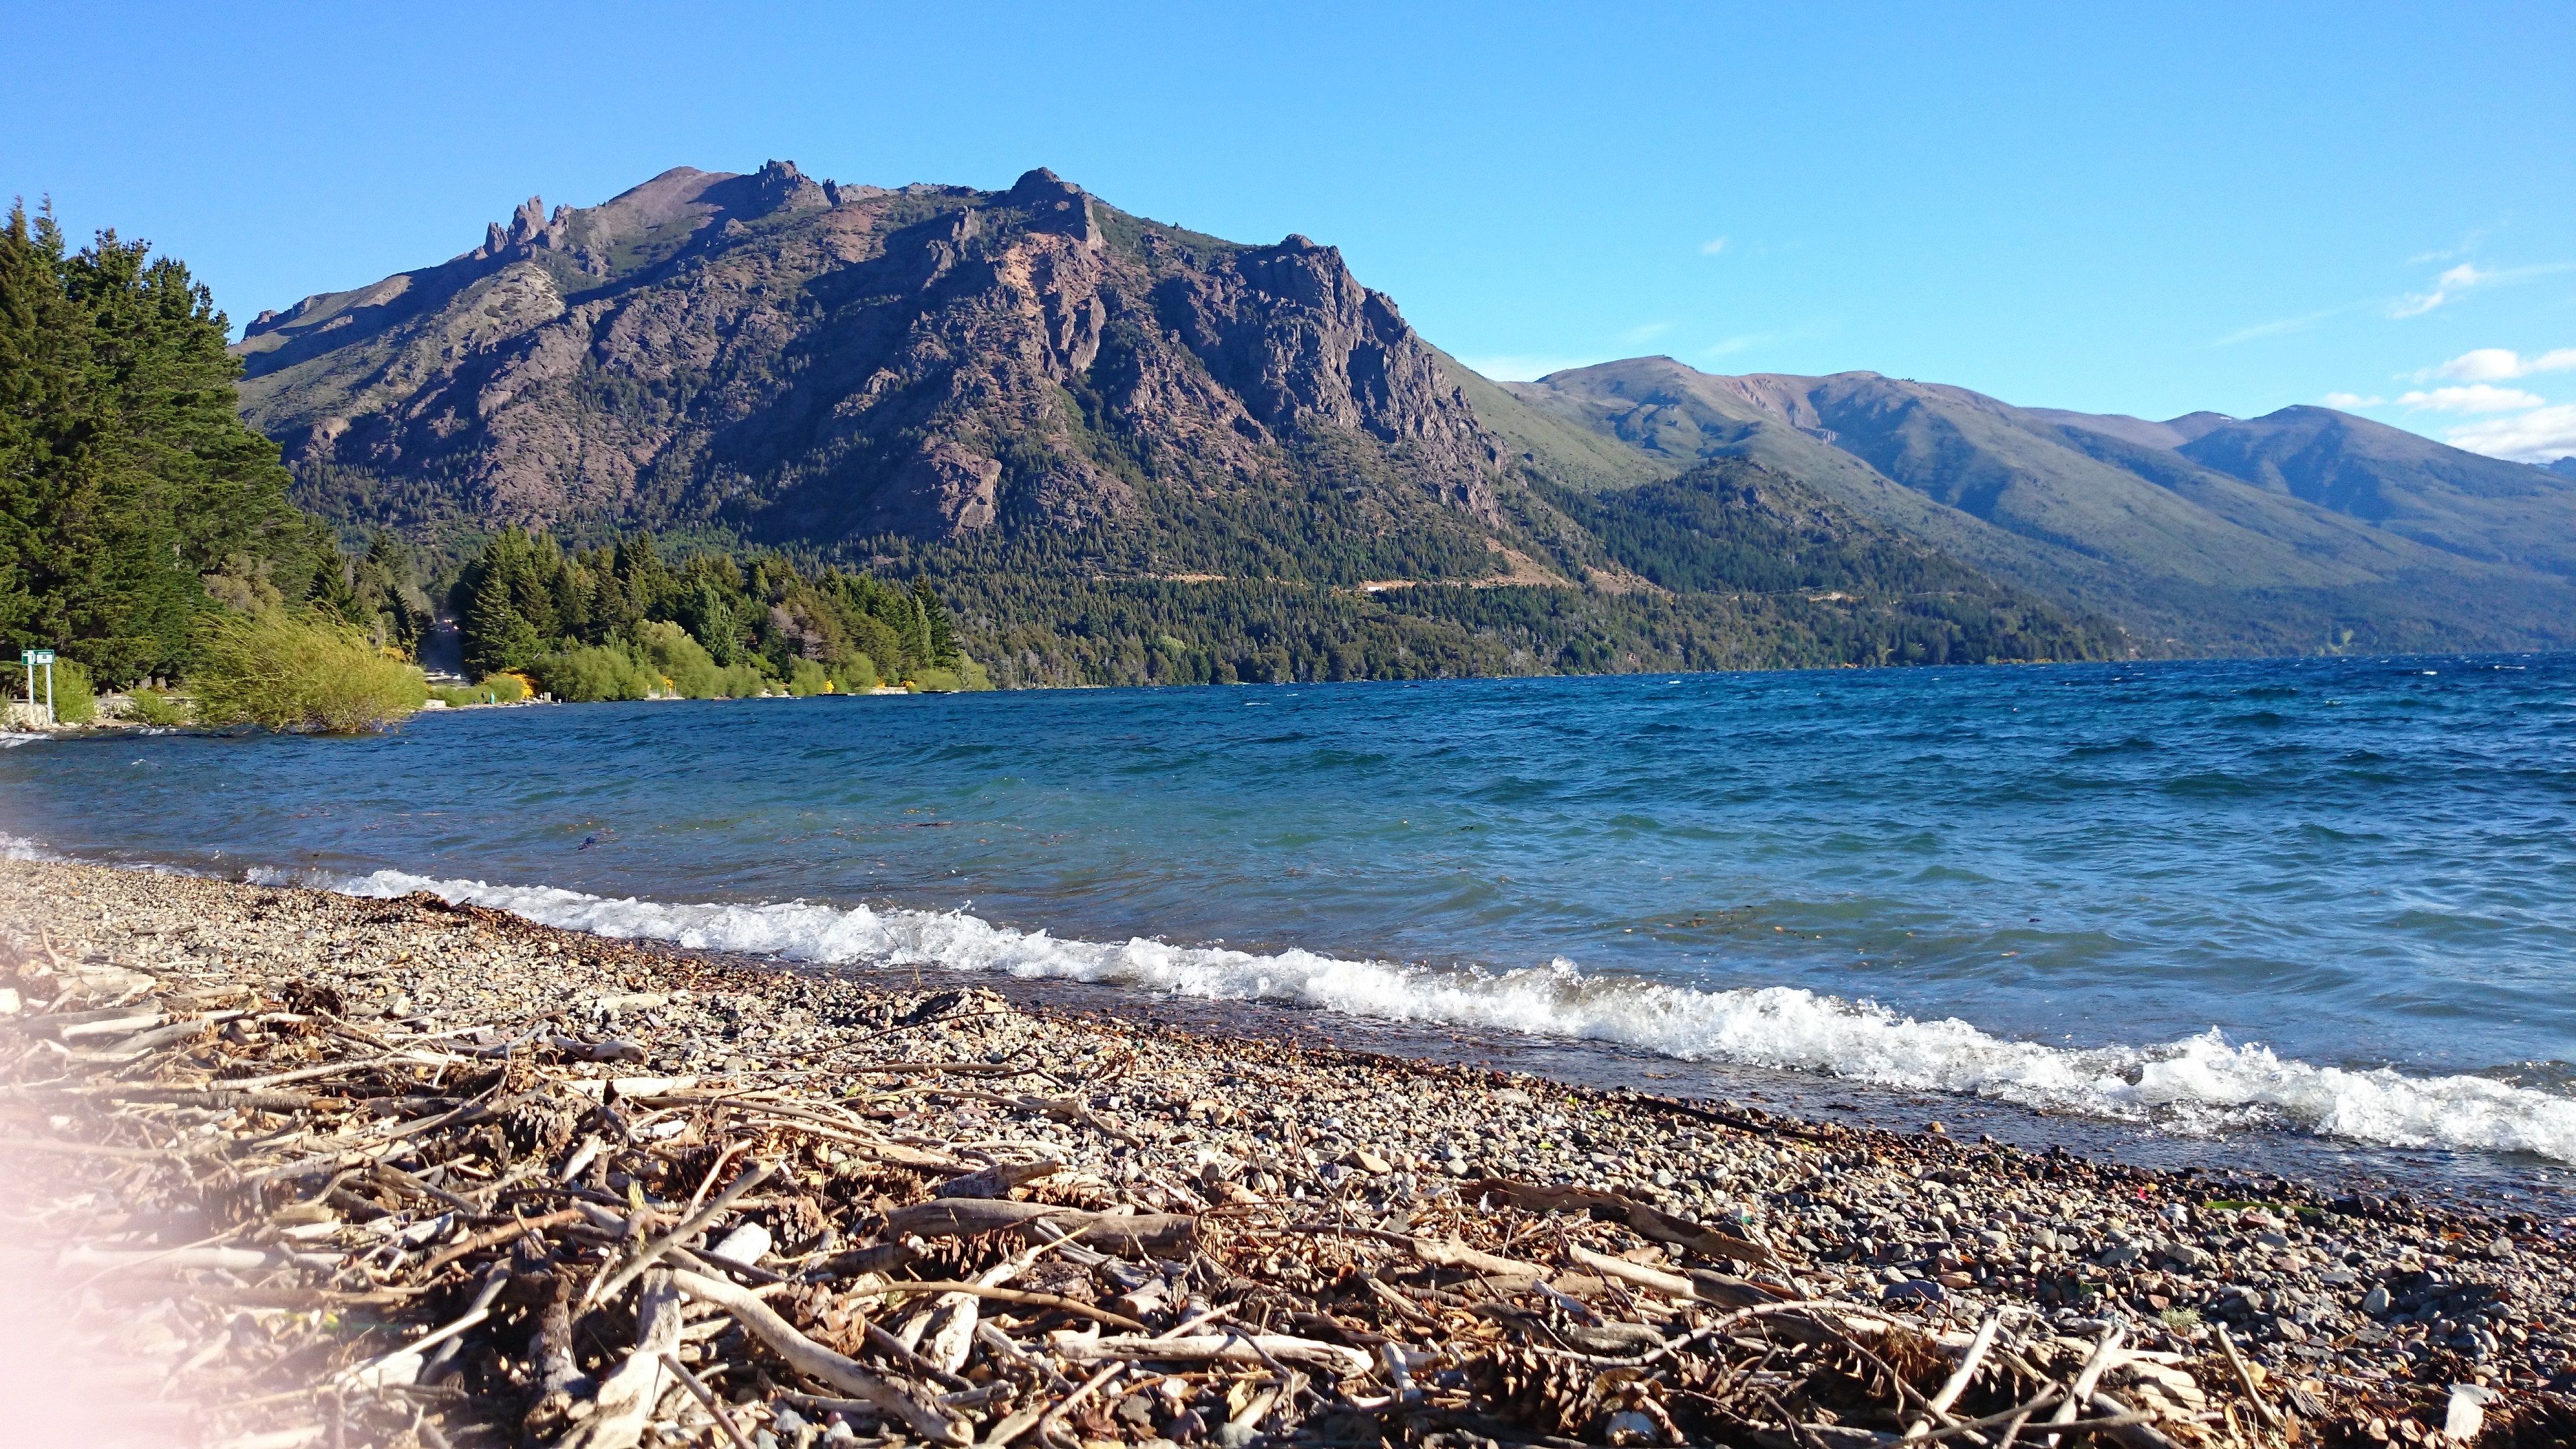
<point x="147" y="539"/>
<point x="312" y="1169"/>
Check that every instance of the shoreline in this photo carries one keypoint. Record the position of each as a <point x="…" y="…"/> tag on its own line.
<point x="2491" y="1181"/>
<point x="1930" y="1233"/>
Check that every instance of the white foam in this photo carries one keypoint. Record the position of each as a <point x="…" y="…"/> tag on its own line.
<point x="2198" y="1083"/>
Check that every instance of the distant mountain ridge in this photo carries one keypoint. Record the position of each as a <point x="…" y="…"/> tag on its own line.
<point x="1132" y="451"/>
<point x="2223" y="533"/>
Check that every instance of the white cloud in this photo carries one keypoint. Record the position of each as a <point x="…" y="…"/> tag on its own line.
<point x="2485" y="364"/>
<point x="1738" y="343"/>
<point x="1647" y="333"/>
<point x="2476" y="397"/>
<point x="2276" y="329"/>
<point x="2468" y="244"/>
<point x="2497" y="364"/>
<point x="2465" y="278"/>
<point x="2351" y="400"/>
<point x="1522" y="366"/>
<point x="2538" y="436"/>
<point x="2446" y="288"/>
<point x="1712" y="246"/>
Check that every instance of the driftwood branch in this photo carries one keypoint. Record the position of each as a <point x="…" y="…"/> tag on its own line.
<point x="694" y="1224"/>
<point x="973" y="1217"/>
<point x="812" y="1359"/>
<point x="1650" y="1222"/>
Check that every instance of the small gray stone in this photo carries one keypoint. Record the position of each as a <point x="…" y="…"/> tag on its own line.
<point x="2375" y="1302"/>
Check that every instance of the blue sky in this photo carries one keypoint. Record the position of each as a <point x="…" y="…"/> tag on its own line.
<point x="2122" y="209"/>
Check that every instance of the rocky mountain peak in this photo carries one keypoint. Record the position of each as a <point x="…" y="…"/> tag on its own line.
<point x="779" y="186"/>
<point x="1055" y="205"/>
<point x="529" y="228"/>
<point x="931" y="362"/>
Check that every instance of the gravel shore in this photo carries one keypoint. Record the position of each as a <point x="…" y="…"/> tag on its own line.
<point x="1695" y="1272"/>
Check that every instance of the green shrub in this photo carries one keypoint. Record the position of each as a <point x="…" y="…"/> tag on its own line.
<point x="968" y="675"/>
<point x="504" y="688"/>
<point x="685" y="663"/>
<point x="152" y="707"/>
<point x="300" y="673"/>
<point x="804" y="677"/>
<point x="595" y="672"/>
<point x="74" y="701"/>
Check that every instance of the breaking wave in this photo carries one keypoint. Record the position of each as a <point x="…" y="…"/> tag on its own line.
<point x="2199" y="1083"/>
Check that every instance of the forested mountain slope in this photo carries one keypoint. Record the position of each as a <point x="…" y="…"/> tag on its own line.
<point x="2276" y="533"/>
<point x="1125" y="451"/>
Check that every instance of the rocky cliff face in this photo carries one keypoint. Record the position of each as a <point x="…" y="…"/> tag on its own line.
<point x="805" y="360"/>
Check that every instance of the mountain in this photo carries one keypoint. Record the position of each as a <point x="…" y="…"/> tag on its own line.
<point x="2459" y="502"/>
<point x="808" y="361"/>
<point x="1126" y="451"/>
<point x="1131" y="451"/>
<point x="2564" y="467"/>
<point x="2214" y="533"/>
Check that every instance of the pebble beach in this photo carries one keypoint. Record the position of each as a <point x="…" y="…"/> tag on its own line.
<point x="291" y="1167"/>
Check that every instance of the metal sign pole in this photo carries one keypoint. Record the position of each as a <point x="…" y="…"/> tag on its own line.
<point x="29" y="659"/>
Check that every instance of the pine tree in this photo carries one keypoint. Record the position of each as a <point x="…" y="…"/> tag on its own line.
<point x="126" y="481"/>
<point x="941" y="640"/>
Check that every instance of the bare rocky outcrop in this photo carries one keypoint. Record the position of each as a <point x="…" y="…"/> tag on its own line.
<point x="825" y="362"/>
<point x="529" y="228"/>
<point x="1294" y="335"/>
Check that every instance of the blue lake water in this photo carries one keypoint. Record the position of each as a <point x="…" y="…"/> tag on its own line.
<point x="2333" y="895"/>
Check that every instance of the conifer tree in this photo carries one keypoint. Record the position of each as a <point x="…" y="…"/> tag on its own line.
<point x="132" y="499"/>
